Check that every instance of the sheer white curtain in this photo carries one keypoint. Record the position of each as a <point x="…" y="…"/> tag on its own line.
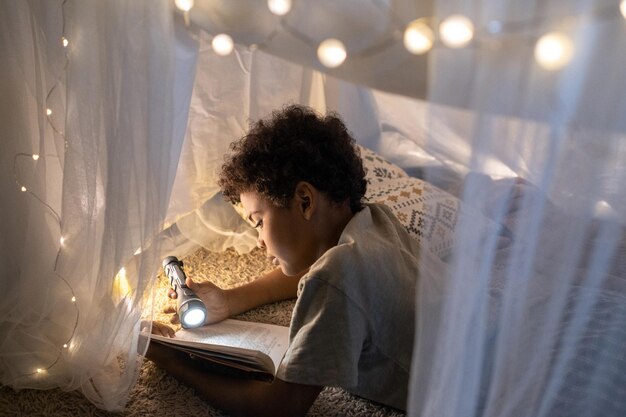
<point x="228" y="93"/>
<point x="537" y="328"/>
<point x="534" y="328"/>
<point x="92" y="132"/>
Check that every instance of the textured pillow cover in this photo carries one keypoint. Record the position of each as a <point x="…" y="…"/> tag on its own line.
<point x="428" y="213"/>
<point x="377" y="169"/>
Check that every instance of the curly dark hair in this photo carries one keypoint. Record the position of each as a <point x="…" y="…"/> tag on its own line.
<point x="293" y="145"/>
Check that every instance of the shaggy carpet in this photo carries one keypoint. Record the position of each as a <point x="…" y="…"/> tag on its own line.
<point x="158" y="394"/>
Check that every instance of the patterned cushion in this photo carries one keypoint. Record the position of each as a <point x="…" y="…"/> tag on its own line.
<point x="428" y="213"/>
<point x="377" y="169"/>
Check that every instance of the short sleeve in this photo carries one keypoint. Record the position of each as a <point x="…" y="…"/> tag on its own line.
<point x="328" y="332"/>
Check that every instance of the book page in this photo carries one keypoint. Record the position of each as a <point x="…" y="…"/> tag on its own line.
<point x="269" y="339"/>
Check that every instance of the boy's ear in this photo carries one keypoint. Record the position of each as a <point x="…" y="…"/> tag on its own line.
<point x="306" y="199"/>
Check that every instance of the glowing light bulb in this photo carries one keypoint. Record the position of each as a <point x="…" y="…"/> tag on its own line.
<point x="418" y="37"/>
<point x="48" y="112"/>
<point x="223" y="44"/>
<point x="62" y="240"/>
<point x="121" y="286"/>
<point x="73" y="299"/>
<point x="279" y="7"/>
<point x="184" y="5"/>
<point x="553" y="51"/>
<point x="24" y="189"/>
<point x="603" y="209"/>
<point x="64" y="345"/>
<point x="331" y="53"/>
<point x="456" y="31"/>
<point x="622" y="8"/>
<point x="39" y="370"/>
<point x="64" y="41"/>
<point x="35" y="157"/>
<point x="194" y="317"/>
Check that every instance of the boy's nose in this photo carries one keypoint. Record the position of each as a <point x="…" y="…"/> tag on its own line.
<point x="260" y="243"/>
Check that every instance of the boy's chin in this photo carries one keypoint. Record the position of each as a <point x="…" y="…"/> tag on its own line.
<point x="286" y="270"/>
<point x="290" y="271"/>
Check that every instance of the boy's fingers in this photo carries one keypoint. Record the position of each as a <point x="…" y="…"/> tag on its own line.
<point x="165" y="331"/>
<point x="169" y="309"/>
<point x="171" y="293"/>
<point x="189" y="282"/>
<point x="161" y="329"/>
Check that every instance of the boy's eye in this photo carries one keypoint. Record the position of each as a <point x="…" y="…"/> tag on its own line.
<point x="259" y="224"/>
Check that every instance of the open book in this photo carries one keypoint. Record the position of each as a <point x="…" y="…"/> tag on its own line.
<point x="234" y="346"/>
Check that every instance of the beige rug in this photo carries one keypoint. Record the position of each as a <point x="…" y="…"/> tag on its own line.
<point x="158" y="394"/>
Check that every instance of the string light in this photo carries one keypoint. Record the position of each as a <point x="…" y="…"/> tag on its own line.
<point x="418" y="37"/>
<point x="279" y="7"/>
<point x="604" y="210"/>
<point x="35" y="157"/>
<point x="456" y="31"/>
<point x="331" y="53"/>
<point x="184" y="5"/>
<point x="223" y="44"/>
<point x="121" y="286"/>
<point x="553" y="51"/>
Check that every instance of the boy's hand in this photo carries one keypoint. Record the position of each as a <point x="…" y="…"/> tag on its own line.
<point x="215" y="299"/>
<point x="162" y="329"/>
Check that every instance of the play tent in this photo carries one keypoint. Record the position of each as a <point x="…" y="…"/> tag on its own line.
<point x="116" y="115"/>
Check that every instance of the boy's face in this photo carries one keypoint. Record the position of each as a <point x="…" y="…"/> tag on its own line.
<point x="283" y="232"/>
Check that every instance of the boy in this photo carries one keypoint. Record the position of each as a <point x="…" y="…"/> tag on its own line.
<point x="353" y="268"/>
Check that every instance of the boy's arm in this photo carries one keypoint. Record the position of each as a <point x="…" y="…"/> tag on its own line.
<point x="268" y="288"/>
<point x="236" y="396"/>
<point x="221" y="304"/>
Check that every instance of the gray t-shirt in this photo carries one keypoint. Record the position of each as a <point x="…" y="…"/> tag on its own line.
<point x="353" y="322"/>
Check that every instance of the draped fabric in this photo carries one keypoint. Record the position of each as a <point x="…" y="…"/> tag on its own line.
<point x="143" y="110"/>
<point x="536" y="328"/>
<point x="228" y="93"/>
<point x="105" y="118"/>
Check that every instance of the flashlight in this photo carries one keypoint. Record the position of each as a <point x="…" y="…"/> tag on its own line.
<point x="191" y="310"/>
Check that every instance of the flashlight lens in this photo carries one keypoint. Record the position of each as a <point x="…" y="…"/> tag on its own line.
<point x="194" y="317"/>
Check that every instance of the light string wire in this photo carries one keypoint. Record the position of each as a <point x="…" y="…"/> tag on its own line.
<point x="483" y="36"/>
<point x="62" y="349"/>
